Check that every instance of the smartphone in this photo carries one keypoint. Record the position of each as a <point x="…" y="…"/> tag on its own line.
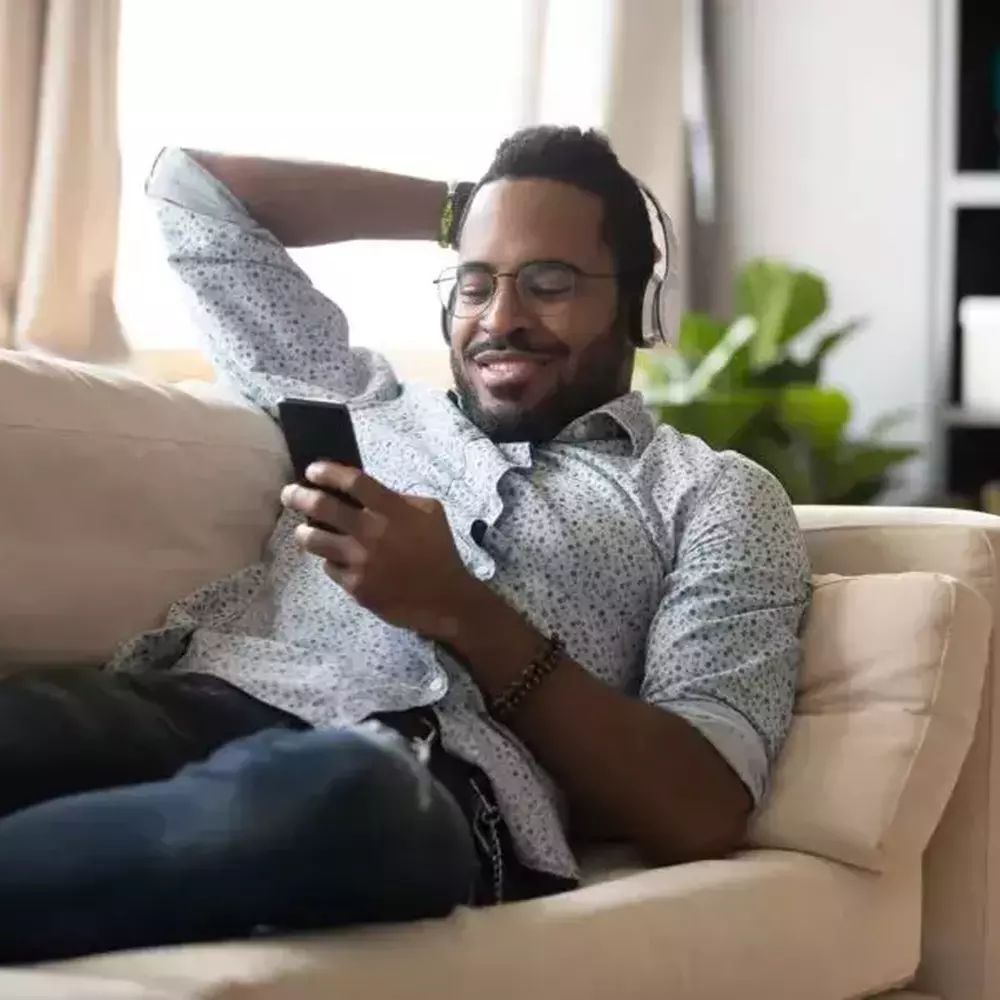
<point x="315" y="431"/>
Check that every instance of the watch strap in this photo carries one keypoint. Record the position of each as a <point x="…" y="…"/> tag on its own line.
<point x="452" y="211"/>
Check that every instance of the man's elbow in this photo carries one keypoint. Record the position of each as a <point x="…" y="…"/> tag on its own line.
<point x="709" y="837"/>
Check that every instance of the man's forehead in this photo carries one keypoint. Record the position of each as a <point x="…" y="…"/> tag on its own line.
<point x="532" y="216"/>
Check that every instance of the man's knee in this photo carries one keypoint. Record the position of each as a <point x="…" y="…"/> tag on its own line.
<point x="308" y="789"/>
<point x="324" y="815"/>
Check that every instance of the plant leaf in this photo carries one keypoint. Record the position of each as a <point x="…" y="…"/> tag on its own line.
<point x="660" y="366"/>
<point x="855" y="464"/>
<point x="817" y="413"/>
<point x="832" y="339"/>
<point x="808" y="302"/>
<point x="787" y="464"/>
<point x="717" y="420"/>
<point x="785" y="371"/>
<point x="784" y="301"/>
<point x="723" y="369"/>
<point x="698" y="334"/>
<point x="887" y="423"/>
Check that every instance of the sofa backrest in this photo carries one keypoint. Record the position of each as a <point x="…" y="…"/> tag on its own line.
<point x="118" y="497"/>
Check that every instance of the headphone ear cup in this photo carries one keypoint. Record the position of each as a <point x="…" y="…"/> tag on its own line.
<point x="652" y="311"/>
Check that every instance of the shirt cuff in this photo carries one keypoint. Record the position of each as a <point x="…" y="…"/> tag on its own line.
<point x="178" y="179"/>
<point x="732" y="735"/>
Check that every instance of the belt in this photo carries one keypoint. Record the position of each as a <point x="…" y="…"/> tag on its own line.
<point x="473" y="792"/>
<point x="502" y="875"/>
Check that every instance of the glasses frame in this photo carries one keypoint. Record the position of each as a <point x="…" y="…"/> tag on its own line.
<point x="451" y="274"/>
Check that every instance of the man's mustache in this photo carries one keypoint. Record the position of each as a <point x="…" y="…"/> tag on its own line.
<point x="516" y="344"/>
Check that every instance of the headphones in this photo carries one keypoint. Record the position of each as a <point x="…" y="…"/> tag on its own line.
<point x="661" y="306"/>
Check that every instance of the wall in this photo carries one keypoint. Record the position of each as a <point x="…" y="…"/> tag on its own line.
<point x="826" y="137"/>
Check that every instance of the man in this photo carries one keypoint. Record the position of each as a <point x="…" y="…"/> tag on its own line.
<point x="547" y="621"/>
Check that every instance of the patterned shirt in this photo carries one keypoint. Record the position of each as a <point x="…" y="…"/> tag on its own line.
<point x="673" y="572"/>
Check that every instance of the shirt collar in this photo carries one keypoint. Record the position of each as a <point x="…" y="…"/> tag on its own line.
<point x="626" y="414"/>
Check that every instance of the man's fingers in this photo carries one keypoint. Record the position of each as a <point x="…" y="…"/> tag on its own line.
<point x="367" y="491"/>
<point x="339" y="550"/>
<point x="322" y="507"/>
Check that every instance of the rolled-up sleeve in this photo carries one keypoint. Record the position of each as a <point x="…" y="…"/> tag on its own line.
<point x="724" y="649"/>
<point x="264" y="325"/>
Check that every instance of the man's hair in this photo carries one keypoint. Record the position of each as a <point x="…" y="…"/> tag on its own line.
<point x="586" y="160"/>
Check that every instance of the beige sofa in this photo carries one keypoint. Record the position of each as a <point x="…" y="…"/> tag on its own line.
<point x="117" y="496"/>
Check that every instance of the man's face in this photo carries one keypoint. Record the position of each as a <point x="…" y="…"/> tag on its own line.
<point x="544" y="349"/>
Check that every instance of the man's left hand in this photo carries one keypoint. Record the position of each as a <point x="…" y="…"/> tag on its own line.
<point x="394" y="554"/>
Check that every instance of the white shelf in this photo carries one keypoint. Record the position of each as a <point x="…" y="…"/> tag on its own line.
<point x="974" y="190"/>
<point x="960" y="416"/>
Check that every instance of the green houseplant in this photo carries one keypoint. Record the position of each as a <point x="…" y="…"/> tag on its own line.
<point x="754" y="385"/>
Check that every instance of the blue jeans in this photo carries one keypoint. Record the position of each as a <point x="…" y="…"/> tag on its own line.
<point x="286" y="829"/>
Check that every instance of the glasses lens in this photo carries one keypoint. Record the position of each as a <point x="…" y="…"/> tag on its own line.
<point x="546" y="285"/>
<point x="466" y="291"/>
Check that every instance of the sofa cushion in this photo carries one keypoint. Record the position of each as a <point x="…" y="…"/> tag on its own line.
<point x="887" y="704"/>
<point x="118" y="497"/>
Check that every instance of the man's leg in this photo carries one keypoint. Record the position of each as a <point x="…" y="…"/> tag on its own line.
<point x="286" y="830"/>
<point x="69" y="730"/>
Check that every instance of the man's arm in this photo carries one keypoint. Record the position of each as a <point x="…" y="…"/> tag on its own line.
<point x="310" y="204"/>
<point x="264" y="325"/>
<point x="675" y="772"/>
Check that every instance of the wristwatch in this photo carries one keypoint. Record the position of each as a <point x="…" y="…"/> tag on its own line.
<point x="452" y="211"/>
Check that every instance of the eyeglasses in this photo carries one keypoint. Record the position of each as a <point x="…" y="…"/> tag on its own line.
<point x="543" y="286"/>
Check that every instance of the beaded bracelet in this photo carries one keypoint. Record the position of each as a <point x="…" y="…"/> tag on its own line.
<point x="505" y="704"/>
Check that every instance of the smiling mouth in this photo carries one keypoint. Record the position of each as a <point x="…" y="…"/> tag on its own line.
<point x="509" y="369"/>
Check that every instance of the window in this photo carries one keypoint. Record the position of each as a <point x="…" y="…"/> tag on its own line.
<point x="425" y="88"/>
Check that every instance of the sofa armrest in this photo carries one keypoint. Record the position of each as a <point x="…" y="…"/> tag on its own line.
<point x="768" y="924"/>
<point x="961" y="932"/>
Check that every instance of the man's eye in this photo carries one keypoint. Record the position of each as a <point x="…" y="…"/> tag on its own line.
<point x="551" y="288"/>
<point x="548" y="281"/>
<point x="474" y="291"/>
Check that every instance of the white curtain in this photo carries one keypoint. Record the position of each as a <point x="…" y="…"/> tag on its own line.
<point x="58" y="176"/>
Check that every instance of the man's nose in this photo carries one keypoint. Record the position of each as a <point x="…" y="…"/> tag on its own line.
<point x="506" y="311"/>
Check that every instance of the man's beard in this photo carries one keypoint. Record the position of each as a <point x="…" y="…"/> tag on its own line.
<point x="601" y="375"/>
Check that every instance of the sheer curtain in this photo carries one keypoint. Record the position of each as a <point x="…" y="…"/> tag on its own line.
<point x="427" y="88"/>
<point x="58" y="177"/>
